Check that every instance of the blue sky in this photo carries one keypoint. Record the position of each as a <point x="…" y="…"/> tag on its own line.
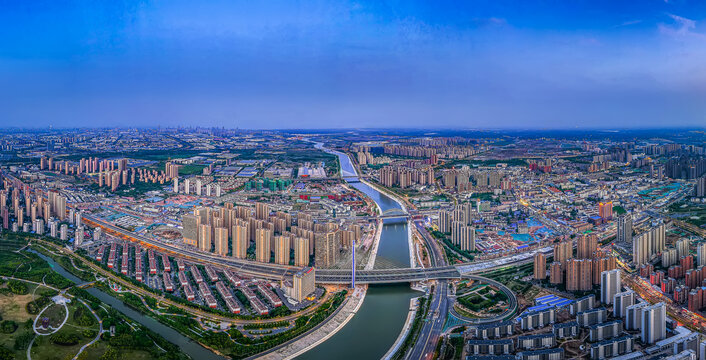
<point x="320" y="64"/>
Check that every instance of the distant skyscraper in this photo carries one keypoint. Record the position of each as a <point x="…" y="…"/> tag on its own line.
<point x="610" y="285"/>
<point x="624" y="234"/>
<point x="654" y="323"/>
<point x="540" y="266"/>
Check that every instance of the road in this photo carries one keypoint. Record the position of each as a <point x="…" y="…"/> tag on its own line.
<point x="433" y="325"/>
<point x="100" y="329"/>
<point x="437" y="254"/>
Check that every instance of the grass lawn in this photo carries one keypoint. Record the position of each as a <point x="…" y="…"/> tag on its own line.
<point x="44" y="348"/>
<point x="56" y="314"/>
<point x="96" y="350"/>
<point x="13" y="307"/>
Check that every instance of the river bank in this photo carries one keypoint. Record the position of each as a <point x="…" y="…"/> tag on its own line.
<point x="378" y="323"/>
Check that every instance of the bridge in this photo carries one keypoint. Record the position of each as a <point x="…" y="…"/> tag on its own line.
<point x="511" y="301"/>
<point x="278" y="272"/>
<point x="386" y="276"/>
<point x="395" y="213"/>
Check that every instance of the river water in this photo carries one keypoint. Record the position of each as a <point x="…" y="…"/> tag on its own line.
<point x="189" y="347"/>
<point x="368" y="335"/>
<point x="379" y="321"/>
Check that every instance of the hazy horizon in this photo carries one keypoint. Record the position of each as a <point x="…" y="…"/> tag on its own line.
<point x="356" y="64"/>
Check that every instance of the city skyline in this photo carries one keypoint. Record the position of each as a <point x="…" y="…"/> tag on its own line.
<point x="354" y="65"/>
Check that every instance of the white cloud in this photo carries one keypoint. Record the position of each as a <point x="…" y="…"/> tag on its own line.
<point x="682" y="27"/>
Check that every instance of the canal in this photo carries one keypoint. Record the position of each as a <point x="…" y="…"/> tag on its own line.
<point x="379" y="321"/>
<point x="189" y="347"/>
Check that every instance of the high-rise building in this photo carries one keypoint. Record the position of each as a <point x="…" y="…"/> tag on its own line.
<point x="605" y="210"/>
<point x="600" y="264"/>
<point x="578" y="275"/>
<point x="241" y="240"/>
<point x="624" y="234"/>
<point x="633" y="316"/>
<point x="64" y="232"/>
<point x="262" y="244"/>
<point x="649" y="243"/>
<point x="463" y="236"/>
<point x="221" y="240"/>
<point x="190" y="233"/>
<point x="586" y="246"/>
<point x="205" y="232"/>
<point x="654" y="323"/>
<point x="187" y="186"/>
<point x="682" y="246"/>
<point x="621" y="301"/>
<point x="700" y="191"/>
<point x="301" y="251"/>
<point x="540" y="266"/>
<point x="303" y="283"/>
<point x="282" y="248"/>
<point x="701" y="254"/>
<point x="610" y="285"/>
<point x="444" y="221"/>
<point x="326" y="250"/>
<point x="563" y="251"/>
<point x="79" y="237"/>
<point x="556" y="275"/>
<point x="262" y="211"/>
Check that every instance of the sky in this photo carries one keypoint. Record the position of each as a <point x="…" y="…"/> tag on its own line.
<point x="495" y="64"/>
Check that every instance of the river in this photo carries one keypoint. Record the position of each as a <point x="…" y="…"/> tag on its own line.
<point x="368" y="335"/>
<point x="379" y="321"/>
<point x="189" y="347"/>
